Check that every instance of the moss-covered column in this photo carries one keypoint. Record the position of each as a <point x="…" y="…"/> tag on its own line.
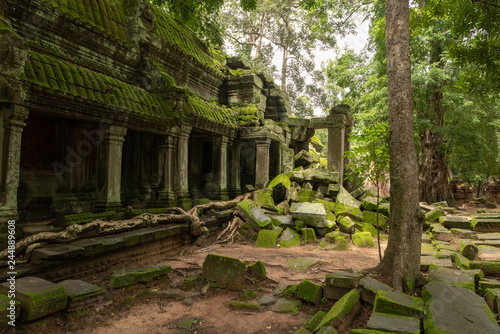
<point x="166" y="165"/>
<point x="12" y="119"/>
<point x="183" y="167"/>
<point x="338" y="120"/>
<point x="109" y="168"/>
<point x="234" y="169"/>
<point x="220" y="175"/>
<point x="262" y="162"/>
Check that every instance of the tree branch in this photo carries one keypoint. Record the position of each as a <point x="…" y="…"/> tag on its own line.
<point x="486" y="3"/>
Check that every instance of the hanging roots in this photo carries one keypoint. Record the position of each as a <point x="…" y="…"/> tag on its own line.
<point x="230" y="231"/>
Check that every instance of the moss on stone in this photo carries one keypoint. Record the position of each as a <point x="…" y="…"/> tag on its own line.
<point x="340" y="309"/>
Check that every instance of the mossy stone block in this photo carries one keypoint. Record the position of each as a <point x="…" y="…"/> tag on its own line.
<point x="340" y="309"/>
<point x="264" y="198"/>
<point x="224" y="269"/>
<point x="245" y="306"/>
<point x="461" y="278"/>
<point x="394" y="323"/>
<point x="455" y="222"/>
<point x="346" y="225"/>
<point x="344" y="197"/>
<point x="368" y="288"/>
<point x="267" y="238"/>
<point x="433" y="215"/>
<point x="393" y="302"/>
<point x="312" y="214"/>
<point x="308" y="235"/>
<point x="310" y="292"/>
<point x="329" y="206"/>
<point x="127" y="277"/>
<point x="370" y="229"/>
<point x="327" y="330"/>
<point x="315" y="320"/>
<point x="340" y="279"/>
<point x="279" y="185"/>
<point x="307" y="195"/>
<point x="348" y="211"/>
<point x="488" y="283"/>
<point x="290" y="238"/>
<point x="363" y="239"/>
<point x="492" y="299"/>
<point x="254" y="215"/>
<point x="257" y="270"/>
<point x="370" y="217"/>
<point x="335" y="236"/>
<point x="38" y="297"/>
<point x="461" y="261"/>
<point x="287" y="306"/>
<point x="80" y="294"/>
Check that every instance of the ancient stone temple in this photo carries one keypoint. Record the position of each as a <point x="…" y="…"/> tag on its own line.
<point x="111" y="103"/>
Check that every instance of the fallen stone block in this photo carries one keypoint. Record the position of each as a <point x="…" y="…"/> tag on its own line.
<point x="327" y="330"/>
<point x="334" y="236"/>
<point x="329" y="227"/>
<point x="488" y="283"/>
<point x="337" y="284"/>
<point x="315" y="320"/>
<point x="426" y="261"/>
<point x="292" y="194"/>
<point x="127" y="277"/>
<point x="489" y="268"/>
<point x="453" y="309"/>
<point x="333" y="190"/>
<point x="266" y="300"/>
<point x="312" y="214"/>
<point x="257" y="270"/>
<point x="346" y="225"/>
<point x="460" y="261"/>
<point x="289" y="238"/>
<point x="321" y="175"/>
<point x="224" y="269"/>
<point x="397" y="303"/>
<point x="394" y="323"/>
<point x="371" y="218"/>
<point x="368" y="288"/>
<point x="303" y="159"/>
<point x="81" y="294"/>
<point x="308" y="235"/>
<point x="279" y="185"/>
<point x="442" y="234"/>
<point x="342" y="312"/>
<point x="38" y="297"/>
<point x="310" y="292"/>
<point x="253" y="215"/>
<point x="461" y="278"/>
<point x="434" y="214"/>
<point x="296" y="176"/>
<point x="485" y="225"/>
<point x="465" y="234"/>
<point x="492" y="299"/>
<point x="455" y="222"/>
<point x="468" y="249"/>
<point x="363" y="239"/>
<point x="55" y="253"/>
<point x="343" y="197"/>
<point x="264" y="198"/>
<point x="329" y="206"/>
<point x="348" y="211"/>
<point x="287" y="306"/>
<point x="282" y="221"/>
<point x="267" y="238"/>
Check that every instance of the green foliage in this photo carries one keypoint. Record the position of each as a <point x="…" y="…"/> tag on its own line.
<point x="369" y="155"/>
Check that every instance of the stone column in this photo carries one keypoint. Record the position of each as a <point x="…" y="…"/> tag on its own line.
<point x="262" y="162"/>
<point x="109" y="170"/>
<point x="12" y="119"/>
<point x="220" y="174"/>
<point x="166" y="159"/>
<point x="235" y="170"/>
<point x="183" y="167"/>
<point x="338" y="120"/>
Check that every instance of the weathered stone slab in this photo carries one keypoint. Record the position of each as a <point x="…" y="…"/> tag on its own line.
<point x="492" y="299"/>
<point x="426" y="207"/>
<point x="81" y="294"/>
<point x="267" y="238"/>
<point x="127" y="277"/>
<point x="342" y="308"/>
<point x="452" y="309"/>
<point x="465" y="234"/>
<point x="312" y="214"/>
<point x="55" y="253"/>
<point x="310" y="292"/>
<point x="426" y="261"/>
<point x="434" y="215"/>
<point x="455" y="222"/>
<point x="253" y="215"/>
<point x="321" y="175"/>
<point x="363" y="239"/>
<point x="308" y="235"/>
<point x="368" y="288"/>
<point x="282" y="221"/>
<point x="485" y="249"/>
<point x="394" y="323"/>
<point x="245" y="306"/>
<point x="314" y="321"/>
<point x="289" y="238"/>
<point x="488" y="283"/>
<point x="38" y="297"/>
<point x="346" y="225"/>
<point x="287" y="306"/>
<point x="348" y="211"/>
<point x="461" y="278"/>
<point x="264" y="198"/>
<point x="333" y="190"/>
<point x="257" y="270"/>
<point x="489" y="268"/>
<point x="307" y="195"/>
<point x="342" y="279"/>
<point x="397" y="303"/>
<point x="279" y="185"/>
<point x="485" y="225"/>
<point x="489" y="242"/>
<point x="224" y="269"/>
<point x="301" y="263"/>
<point x="343" y="197"/>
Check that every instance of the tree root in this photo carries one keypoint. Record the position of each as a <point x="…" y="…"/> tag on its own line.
<point x="101" y="227"/>
<point x="229" y="231"/>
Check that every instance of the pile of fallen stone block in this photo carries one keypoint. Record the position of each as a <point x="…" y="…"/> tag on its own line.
<point x="309" y="205"/>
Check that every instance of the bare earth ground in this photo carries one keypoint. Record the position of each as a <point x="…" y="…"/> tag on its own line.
<point x="123" y="311"/>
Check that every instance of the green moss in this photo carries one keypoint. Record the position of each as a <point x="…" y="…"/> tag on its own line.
<point x="248" y="295"/>
<point x="340" y="309"/>
<point x="245" y="306"/>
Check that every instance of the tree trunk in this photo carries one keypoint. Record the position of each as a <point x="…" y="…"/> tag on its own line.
<point x="402" y="255"/>
<point x="433" y="176"/>
<point x="285" y="52"/>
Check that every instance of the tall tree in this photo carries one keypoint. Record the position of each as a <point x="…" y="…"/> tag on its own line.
<point x="402" y="255"/>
